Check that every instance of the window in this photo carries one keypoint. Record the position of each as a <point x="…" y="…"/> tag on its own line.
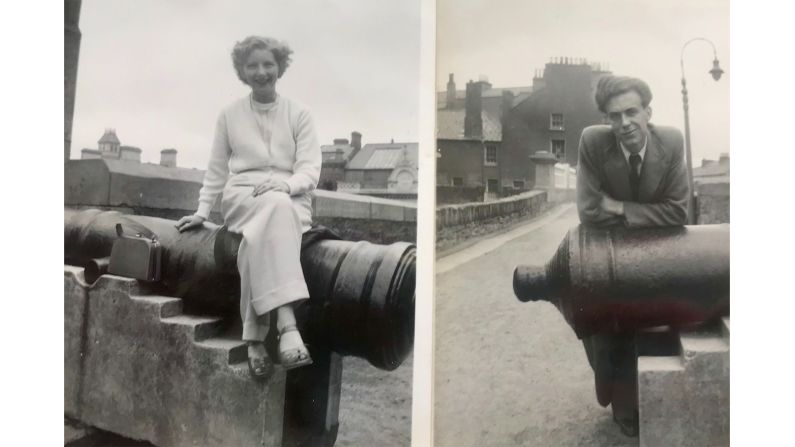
<point x="556" y="121"/>
<point x="492" y="185"/>
<point x="558" y="148"/>
<point x="458" y="181"/>
<point x="490" y="155"/>
<point x="518" y="184"/>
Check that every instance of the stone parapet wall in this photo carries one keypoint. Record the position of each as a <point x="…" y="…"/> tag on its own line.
<point x="713" y="202"/>
<point x="96" y="184"/>
<point x="358" y="218"/>
<point x="458" y="194"/>
<point x="530" y="203"/>
<point x="458" y="223"/>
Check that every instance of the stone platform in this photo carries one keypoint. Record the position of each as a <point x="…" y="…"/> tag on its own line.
<point x="684" y="398"/>
<point x="135" y="365"/>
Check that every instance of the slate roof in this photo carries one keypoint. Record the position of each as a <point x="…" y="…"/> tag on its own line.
<point x="384" y="156"/>
<point x="441" y="97"/>
<point x="332" y="148"/>
<point x="151" y="170"/>
<point x="712" y="170"/>
<point x="450" y="125"/>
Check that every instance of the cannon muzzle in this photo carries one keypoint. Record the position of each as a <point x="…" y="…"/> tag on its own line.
<point x="627" y="279"/>
<point x="361" y="294"/>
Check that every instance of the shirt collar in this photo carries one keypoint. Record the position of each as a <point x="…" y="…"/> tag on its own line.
<point x="642" y="152"/>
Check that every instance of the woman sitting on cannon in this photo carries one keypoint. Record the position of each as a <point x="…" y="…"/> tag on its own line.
<point x="265" y="160"/>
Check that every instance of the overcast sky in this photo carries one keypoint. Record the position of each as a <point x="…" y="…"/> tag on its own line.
<point x="507" y="40"/>
<point x="159" y="72"/>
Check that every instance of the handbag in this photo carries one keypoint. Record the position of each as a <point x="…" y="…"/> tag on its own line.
<point x="135" y="256"/>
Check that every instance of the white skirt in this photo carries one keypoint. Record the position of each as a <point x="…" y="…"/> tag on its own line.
<point x="269" y="256"/>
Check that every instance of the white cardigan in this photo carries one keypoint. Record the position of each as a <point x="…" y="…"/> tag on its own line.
<point x="281" y="140"/>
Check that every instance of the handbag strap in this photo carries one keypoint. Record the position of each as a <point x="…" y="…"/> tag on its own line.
<point x="120" y="233"/>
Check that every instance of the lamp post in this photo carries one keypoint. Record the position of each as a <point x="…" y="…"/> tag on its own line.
<point x="716" y="73"/>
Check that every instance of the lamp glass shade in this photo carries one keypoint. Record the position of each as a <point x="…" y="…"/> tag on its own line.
<point x="716" y="71"/>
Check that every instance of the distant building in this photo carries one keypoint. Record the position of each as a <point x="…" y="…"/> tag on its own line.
<point x="110" y="148"/>
<point x="486" y="135"/>
<point x="335" y="158"/>
<point x="712" y="171"/>
<point x="375" y="169"/>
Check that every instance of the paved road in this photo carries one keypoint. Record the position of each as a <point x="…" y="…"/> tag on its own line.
<point x="510" y="373"/>
<point x="375" y="405"/>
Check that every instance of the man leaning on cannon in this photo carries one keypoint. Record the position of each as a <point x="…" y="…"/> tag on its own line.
<point x="632" y="174"/>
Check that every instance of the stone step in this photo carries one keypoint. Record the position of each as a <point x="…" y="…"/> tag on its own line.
<point x="167" y="306"/>
<point x="234" y="347"/>
<point x="200" y="328"/>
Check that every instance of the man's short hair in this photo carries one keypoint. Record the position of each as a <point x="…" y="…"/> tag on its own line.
<point x="610" y="86"/>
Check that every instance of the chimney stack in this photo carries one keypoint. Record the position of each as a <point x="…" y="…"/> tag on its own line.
<point x="483" y="80"/>
<point x="473" y="120"/>
<point x="168" y="158"/>
<point x="130" y="153"/>
<point x="507" y="102"/>
<point x="356" y="143"/>
<point x="724" y="158"/>
<point x="450" y="93"/>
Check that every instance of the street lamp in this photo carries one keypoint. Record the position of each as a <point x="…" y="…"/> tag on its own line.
<point x="716" y="73"/>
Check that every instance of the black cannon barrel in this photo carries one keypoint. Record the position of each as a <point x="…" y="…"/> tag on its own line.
<point x="361" y="294"/>
<point x="626" y="279"/>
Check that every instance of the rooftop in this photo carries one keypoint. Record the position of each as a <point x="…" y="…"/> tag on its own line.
<point x="450" y="125"/>
<point x="385" y="156"/>
<point x="109" y="137"/>
<point x="148" y="170"/>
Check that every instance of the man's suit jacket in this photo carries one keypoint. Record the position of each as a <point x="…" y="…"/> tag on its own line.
<point x="603" y="169"/>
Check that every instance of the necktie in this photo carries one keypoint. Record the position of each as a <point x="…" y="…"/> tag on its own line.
<point x="634" y="175"/>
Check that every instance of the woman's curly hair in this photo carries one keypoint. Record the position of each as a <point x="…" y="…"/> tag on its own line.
<point x="240" y="53"/>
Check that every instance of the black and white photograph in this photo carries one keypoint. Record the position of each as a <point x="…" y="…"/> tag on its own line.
<point x="424" y="223"/>
<point x="241" y="184"/>
<point x="582" y="218"/>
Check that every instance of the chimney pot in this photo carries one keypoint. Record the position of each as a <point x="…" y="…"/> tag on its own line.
<point x="473" y="119"/>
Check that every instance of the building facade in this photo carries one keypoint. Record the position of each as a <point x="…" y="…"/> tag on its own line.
<point x="377" y="169"/>
<point x="486" y="135"/>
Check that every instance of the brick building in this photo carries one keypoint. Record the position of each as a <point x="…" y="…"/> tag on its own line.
<point x="486" y="135"/>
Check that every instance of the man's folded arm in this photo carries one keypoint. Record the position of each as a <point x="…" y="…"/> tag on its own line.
<point x="589" y="193"/>
<point x="671" y="210"/>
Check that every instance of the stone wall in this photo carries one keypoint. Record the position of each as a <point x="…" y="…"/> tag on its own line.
<point x="458" y="194"/>
<point x="462" y="214"/>
<point x="373" y="219"/>
<point x="115" y="186"/>
<point x="456" y="223"/>
<point x="713" y="203"/>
